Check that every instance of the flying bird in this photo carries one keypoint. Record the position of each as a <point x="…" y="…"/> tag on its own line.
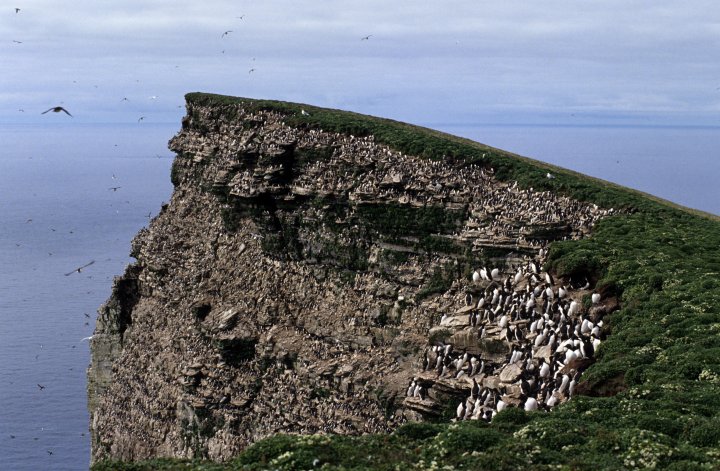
<point x="57" y="109"/>
<point x="40" y="386"/>
<point x="124" y="99"/>
<point x="114" y="188"/>
<point x="240" y="17"/>
<point x="141" y="118"/>
<point x="225" y="33"/>
<point x="365" y="38"/>
<point x="17" y="42"/>
<point x="80" y="269"/>
<point x="304" y="113"/>
<point x="251" y="71"/>
<point x="17" y="10"/>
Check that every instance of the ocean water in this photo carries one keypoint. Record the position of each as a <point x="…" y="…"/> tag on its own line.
<point x="58" y="212"/>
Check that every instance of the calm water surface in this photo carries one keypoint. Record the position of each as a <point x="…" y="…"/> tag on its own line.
<point x="58" y="213"/>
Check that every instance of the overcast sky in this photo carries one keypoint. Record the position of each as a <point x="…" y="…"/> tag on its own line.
<point x="460" y="62"/>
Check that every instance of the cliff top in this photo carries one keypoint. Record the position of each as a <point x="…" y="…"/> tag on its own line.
<point x="432" y="144"/>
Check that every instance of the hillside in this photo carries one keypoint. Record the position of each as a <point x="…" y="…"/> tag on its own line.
<point x="314" y="265"/>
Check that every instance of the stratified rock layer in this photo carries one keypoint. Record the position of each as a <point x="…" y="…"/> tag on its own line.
<point x="294" y="283"/>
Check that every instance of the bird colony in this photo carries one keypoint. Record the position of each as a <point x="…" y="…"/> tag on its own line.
<point x="215" y="342"/>
<point x="520" y="340"/>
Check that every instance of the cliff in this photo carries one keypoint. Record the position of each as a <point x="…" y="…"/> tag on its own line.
<point x="323" y="272"/>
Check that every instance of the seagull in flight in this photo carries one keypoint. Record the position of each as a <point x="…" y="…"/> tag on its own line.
<point x="141" y="118"/>
<point x="251" y="71"/>
<point x="57" y="109"/>
<point x="40" y="386"/>
<point x="114" y="188"/>
<point x="225" y="33"/>
<point x="304" y="113"/>
<point x="17" y="42"/>
<point x="17" y="10"/>
<point x="365" y="38"/>
<point x="80" y="269"/>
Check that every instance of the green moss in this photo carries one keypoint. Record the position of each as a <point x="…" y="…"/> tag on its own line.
<point x="395" y="220"/>
<point x="440" y="281"/>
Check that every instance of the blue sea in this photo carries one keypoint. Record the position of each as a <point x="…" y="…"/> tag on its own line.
<point x="59" y="211"/>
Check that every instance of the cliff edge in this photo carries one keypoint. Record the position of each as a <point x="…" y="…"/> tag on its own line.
<point x="317" y="271"/>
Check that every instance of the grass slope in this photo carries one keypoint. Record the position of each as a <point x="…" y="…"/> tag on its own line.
<point x="664" y="350"/>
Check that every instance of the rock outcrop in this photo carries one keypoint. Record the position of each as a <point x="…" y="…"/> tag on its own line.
<point x="298" y="279"/>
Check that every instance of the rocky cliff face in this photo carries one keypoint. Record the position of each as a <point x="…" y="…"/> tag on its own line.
<point x="300" y="280"/>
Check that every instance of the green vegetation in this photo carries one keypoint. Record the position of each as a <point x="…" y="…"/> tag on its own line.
<point x="652" y="399"/>
<point x="440" y="281"/>
<point x="394" y="220"/>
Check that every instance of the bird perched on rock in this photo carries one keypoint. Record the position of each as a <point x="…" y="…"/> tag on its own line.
<point x="57" y="109"/>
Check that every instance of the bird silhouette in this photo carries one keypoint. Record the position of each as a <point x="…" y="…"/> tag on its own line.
<point x="17" y="10"/>
<point x="365" y="38"/>
<point x="57" y="109"/>
<point x="225" y="33"/>
<point x="40" y="386"/>
<point x="141" y="118"/>
<point x="80" y="269"/>
<point x="114" y="188"/>
<point x="17" y="42"/>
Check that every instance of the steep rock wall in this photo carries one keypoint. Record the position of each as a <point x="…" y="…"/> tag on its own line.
<point x="293" y="283"/>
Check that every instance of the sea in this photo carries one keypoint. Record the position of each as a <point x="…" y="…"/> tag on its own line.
<point x="75" y="194"/>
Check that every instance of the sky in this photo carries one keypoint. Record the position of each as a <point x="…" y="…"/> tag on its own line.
<point x="584" y="62"/>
